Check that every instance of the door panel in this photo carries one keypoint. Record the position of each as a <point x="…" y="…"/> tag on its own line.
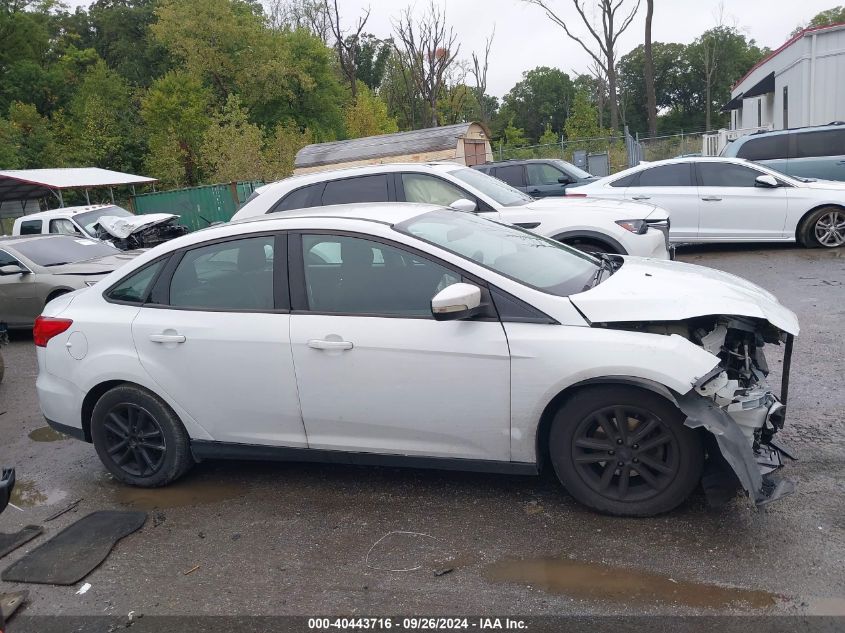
<point x="671" y="187"/>
<point x="375" y="372"/>
<point x="218" y="346"/>
<point x="406" y="386"/>
<point x="733" y="208"/>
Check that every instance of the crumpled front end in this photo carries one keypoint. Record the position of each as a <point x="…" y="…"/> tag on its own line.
<point x="735" y="404"/>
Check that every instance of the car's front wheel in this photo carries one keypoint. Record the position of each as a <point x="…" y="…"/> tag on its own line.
<point x="625" y="451"/>
<point x="824" y="227"/>
<point x="139" y="439"/>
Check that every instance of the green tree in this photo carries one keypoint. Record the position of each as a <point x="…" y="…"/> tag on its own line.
<point x="175" y="115"/>
<point x="541" y="98"/>
<point x="457" y="104"/>
<point x="32" y="135"/>
<point x="231" y="146"/>
<point x="9" y="146"/>
<point x="101" y="126"/>
<point x="281" y="148"/>
<point x="834" y="15"/>
<point x="371" y="57"/>
<point x="548" y="137"/>
<point x="368" y="116"/>
<point x="582" y="125"/>
<point x="120" y="33"/>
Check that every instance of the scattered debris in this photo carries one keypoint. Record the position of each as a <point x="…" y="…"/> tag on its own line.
<point x="83" y="589"/>
<point x="159" y="518"/>
<point x="416" y="567"/>
<point x="443" y="571"/>
<point x="71" y="506"/>
<point x="191" y="570"/>
<point x="11" y="602"/>
<point x="236" y="536"/>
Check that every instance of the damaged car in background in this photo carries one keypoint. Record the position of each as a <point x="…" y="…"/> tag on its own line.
<point x="417" y="335"/>
<point x="107" y="222"/>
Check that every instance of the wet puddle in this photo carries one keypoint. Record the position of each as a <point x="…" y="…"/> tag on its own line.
<point x="177" y="495"/>
<point x="591" y="581"/>
<point x="46" y="434"/>
<point x="27" y="495"/>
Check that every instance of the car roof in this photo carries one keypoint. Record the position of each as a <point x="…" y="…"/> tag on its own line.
<point x="519" y="160"/>
<point x="298" y="180"/>
<point x="380" y="212"/>
<point x="64" y="212"/>
<point x="833" y="125"/>
<point x="13" y="240"/>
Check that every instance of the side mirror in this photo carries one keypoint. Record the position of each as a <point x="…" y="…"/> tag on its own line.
<point x="12" y="269"/>
<point x="767" y="181"/>
<point x="458" y="301"/>
<point x="564" y="180"/>
<point x="462" y="204"/>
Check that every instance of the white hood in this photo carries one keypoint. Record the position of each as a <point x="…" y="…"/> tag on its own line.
<point x="618" y="209"/>
<point x="123" y="227"/>
<point x="656" y="290"/>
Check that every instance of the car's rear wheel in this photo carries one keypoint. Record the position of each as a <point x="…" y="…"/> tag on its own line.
<point x="139" y="439"/>
<point x="625" y="451"/>
<point x="824" y="228"/>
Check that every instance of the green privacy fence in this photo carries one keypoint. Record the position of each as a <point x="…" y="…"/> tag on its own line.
<point x="198" y="207"/>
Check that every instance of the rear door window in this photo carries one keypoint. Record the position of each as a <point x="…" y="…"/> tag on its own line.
<point x="676" y="175"/>
<point x="31" y="227"/>
<point x="821" y="143"/>
<point x="765" y="148"/>
<point x="301" y="198"/>
<point x="512" y="174"/>
<point x="726" y="175"/>
<point x="361" y="189"/>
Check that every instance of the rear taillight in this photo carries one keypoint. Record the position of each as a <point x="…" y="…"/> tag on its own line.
<point x="47" y="327"/>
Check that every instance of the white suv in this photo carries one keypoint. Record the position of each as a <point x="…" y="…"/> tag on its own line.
<point x="595" y="226"/>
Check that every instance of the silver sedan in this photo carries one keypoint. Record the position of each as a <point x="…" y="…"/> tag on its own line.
<point x="35" y="269"/>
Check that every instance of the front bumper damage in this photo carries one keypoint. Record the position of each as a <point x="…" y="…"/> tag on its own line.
<point x="743" y="422"/>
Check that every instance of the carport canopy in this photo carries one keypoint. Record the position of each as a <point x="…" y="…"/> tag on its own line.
<point x="28" y="184"/>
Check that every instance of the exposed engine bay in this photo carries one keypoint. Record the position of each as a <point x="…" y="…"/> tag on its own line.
<point x="734" y="402"/>
<point x="143" y="231"/>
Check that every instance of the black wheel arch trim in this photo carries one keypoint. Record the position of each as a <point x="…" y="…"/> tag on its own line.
<point x="72" y="431"/>
<point x="594" y="236"/>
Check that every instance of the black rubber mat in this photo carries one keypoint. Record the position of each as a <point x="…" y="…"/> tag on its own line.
<point x="11" y="542"/>
<point x="75" y="551"/>
<point x="11" y="602"/>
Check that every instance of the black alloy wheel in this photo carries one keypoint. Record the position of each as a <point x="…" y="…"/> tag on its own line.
<point x="625" y="453"/>
<point x="134" y="440"/>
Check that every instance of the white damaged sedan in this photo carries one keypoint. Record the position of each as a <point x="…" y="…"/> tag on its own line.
<point x="415" y="335"/>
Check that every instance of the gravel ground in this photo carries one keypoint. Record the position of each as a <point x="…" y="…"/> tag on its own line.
<point x="256" y="538"/>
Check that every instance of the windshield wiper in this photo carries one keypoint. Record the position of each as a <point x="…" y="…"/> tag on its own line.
<point x="605" y="265"/>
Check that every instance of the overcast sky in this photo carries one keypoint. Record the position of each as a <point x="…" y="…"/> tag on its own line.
<point x="525" y="38"/>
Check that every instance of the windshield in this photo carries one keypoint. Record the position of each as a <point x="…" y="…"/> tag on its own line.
<point x="520" y="255"/>
<point x="55" y="251"/>
<point x="491" y="187"/>
<point x="572" y="170"/>
<point x="88" y="219"/>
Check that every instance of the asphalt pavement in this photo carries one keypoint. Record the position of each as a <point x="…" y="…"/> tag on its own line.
<point x="281" y="538"/>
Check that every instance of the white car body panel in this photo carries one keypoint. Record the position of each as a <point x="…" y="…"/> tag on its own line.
<point x="219" y="347"/>
<point x="410" y="386"/>
<point x="124" y="227"/>
<point x="727" y="214"/>
<point x="554" y="217"/>
<point x="655" y="292"/>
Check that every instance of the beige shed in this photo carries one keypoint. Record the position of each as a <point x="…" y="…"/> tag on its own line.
<point x="465" y="143"/>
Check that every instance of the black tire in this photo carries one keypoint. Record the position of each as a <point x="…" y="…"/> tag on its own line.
<point x="811" y="232"/>
<point x="599" y="467"/>
<point x="139" y="439"/>
<point x="591" y="247"/>
<point x="53" y="295"/>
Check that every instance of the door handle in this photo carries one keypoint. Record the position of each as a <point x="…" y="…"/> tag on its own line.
<point x="534" y="191"/>
<point x="711" y="198"/>
<point x="640" y="197"/>
<point x="167" y="338"/>
<point x="316" y="343"/>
